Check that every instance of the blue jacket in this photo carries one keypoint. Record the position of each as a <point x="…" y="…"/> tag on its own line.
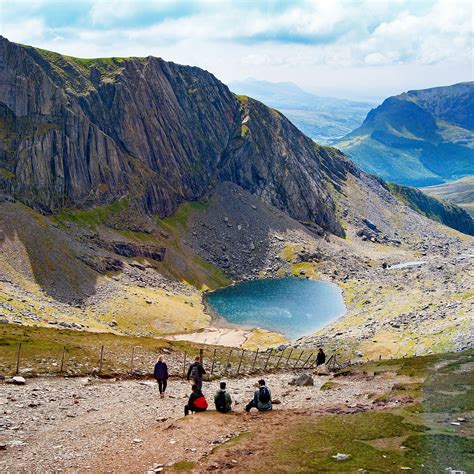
<point x="161" y="371"/>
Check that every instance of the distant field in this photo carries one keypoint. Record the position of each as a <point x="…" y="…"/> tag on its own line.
<point x="460" y="192"/>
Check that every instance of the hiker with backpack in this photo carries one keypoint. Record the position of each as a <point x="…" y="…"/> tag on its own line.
<point x="197" y="402"/>
<point x="222" y="399"/>
<point x="195" y="372"/>
<point x="161" y="375"/>
<point x="262" y="399"/>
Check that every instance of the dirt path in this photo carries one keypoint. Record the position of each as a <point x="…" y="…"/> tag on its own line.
<point x="123" y="426"/>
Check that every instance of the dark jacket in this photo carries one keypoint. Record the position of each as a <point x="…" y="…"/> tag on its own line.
<point x="228" y="399"/>
<point x="161" y="371"/>
<point x="320" y="358"/>
<point x="192" y="398"/>
<point x="200" y="370"/>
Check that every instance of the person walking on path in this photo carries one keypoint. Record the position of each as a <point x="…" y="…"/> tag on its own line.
<point x="196" y="403"/>
<point x="262" y="399"/>
<point x="196" y="371"/>
<point x="161" y="375"/>
<point x="222" y="399"/>
<point x="321" y="357"/>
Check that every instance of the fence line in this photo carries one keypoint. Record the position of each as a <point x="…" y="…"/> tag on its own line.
<point x="227" y="362"/>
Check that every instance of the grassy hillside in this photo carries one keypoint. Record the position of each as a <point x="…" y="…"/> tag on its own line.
<point x="444" y="212"/>
<point x="460" y="192"/>
<point x="419" y="138"/>
<point x="413" y="427"/>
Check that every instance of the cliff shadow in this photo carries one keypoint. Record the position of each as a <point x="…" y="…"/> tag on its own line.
<point x="35" y="250"/>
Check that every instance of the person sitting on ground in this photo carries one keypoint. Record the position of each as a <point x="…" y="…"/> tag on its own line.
<point x="196" y="402"/>
<point x="222" y="399"/>
<point x="195" y="372"/>
<point x="262" y="399"/>
<point x="161" y="375"/>
<point x="321" y="357"/>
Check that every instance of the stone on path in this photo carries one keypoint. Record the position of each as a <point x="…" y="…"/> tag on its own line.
<point x="17" y="380"/>
<point x="304" y="380"/>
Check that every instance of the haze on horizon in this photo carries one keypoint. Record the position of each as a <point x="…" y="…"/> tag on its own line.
<point x="359" y="49"/>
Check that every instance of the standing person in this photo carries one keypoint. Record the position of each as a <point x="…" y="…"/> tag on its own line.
<point x="262" y="399"/>
<point x="321" y="357"/>
<point x="196" y="403"/>
<point x="222" y="399"/>
<point x="196" y="371"/>
<point x="161" y="375"/>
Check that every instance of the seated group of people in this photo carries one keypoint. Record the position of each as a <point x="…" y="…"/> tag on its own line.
<point x="262" y="398"/>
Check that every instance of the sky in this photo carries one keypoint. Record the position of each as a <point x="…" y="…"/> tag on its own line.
<point x="359" y="49"/>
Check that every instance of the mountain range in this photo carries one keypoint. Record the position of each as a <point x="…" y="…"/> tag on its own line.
<point x="324" y="119"/>
<point x="128" y="186"/>
<point x="418" y="138"/>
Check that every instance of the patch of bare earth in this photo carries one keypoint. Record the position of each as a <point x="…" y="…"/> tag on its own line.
<point x="123" y="426"/>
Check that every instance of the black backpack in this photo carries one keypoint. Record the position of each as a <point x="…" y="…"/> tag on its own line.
<point x="195" y="372"/>
<point x="264" y="395"/>
<point x="221" y="404"/>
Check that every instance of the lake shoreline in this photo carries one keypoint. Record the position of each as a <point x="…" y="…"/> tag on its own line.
<point x="295" y="307"/>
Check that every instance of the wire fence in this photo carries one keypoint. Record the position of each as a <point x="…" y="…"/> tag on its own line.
<point x="136" y="361"/>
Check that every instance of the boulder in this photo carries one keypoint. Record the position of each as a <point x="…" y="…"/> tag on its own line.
<point x="17" y="380"/>
<point x="304" y="380"/>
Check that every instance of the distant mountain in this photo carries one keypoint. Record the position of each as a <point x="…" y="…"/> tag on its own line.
<point x="324" y="119"/>
<point x="418" y="138"/>
<point x="460" y="192"/>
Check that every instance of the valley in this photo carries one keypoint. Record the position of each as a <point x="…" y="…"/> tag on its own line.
<point x="130" y="188"/>
<point x="236" y="236"/>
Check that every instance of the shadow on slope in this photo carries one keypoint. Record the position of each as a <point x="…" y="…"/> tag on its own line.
<point x="33" y="250"/>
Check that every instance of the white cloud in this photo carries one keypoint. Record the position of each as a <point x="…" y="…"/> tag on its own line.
<point x="300" y="41"/>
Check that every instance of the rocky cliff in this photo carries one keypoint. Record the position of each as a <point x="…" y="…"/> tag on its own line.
<point x="86" y="132"/>
<point x="81" y="132"/>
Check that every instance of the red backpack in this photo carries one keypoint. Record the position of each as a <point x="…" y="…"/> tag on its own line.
<point x="201" y="403"/>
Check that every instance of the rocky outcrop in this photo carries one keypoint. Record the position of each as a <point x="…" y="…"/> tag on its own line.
<point x="129" y="249"/>
<point x="86" y="132"/>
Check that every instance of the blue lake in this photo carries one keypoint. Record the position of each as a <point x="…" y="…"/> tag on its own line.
<point x="293" y="306"/>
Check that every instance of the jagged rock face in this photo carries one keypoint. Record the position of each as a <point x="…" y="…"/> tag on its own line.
<point x="78" y="133"/>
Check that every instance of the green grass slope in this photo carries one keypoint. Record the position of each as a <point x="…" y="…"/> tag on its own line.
<point x="444" y="212"/>
<point x="460" y="192"/>
<point x="419" y="138"/>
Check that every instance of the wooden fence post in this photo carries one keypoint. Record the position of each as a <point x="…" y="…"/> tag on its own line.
<point x="201" y="356"/>
<point x="240" y="361"/>
<point x="288" y="358"/>
<point x="101" y="361"/>
<point x="268" y="358"/>
<point x="228" y="361"/>
<point x="307" y="360"/>
<point x="254" y="360"/>
<point x="132" y="359"/>
<point x="18" y="353"/>
<point x="281" y="355"/>
<point x="62" y="359"/>
<point x="184" y="365"/>
<point x="213" y="361"/>
<point x="298" y="359"/>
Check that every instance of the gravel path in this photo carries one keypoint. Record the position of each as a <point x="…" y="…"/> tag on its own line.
<point x="84" y="424"/>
